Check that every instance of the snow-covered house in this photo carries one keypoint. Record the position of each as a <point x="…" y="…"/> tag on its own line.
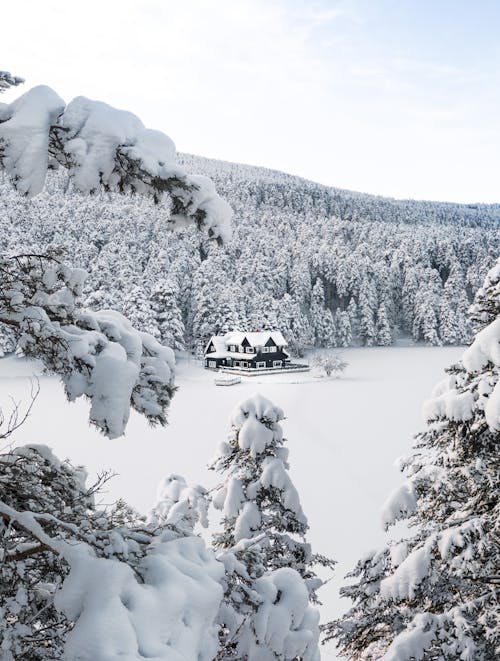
<point x="258" y="350"/>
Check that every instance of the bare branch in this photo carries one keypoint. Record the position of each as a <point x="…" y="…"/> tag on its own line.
<point x="16" y="417"/>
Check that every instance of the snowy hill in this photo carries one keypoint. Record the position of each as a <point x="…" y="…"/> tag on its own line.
<point x="285" y="190"/>
<point x="325" y="266"/>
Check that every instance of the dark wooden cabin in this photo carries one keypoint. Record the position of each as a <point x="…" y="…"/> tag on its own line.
<point x="255" y="350"/>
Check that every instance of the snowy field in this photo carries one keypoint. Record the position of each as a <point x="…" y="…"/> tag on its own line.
<point x="344" y="435"/>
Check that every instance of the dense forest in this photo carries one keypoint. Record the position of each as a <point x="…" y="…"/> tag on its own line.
<point x="327" y="267"/>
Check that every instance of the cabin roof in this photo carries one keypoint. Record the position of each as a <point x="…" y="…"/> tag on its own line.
<point x="222" y="343"/>
<point x="255" y="339"/>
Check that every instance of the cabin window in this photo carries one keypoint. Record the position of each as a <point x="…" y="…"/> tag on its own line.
<point x="276" y="363"/>
<point x="261" y="364"/>
<point x="265" y="349"/>
<point x="272" y="349"/>
<point x="232" y="348"/>
<point x="212" y="363"/>
<point x="241" y="349"/>
<point x="249" y="350"/>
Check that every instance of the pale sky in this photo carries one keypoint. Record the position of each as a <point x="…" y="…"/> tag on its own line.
<point x="393" y="97"/>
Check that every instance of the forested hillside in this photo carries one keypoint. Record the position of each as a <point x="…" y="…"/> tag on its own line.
<point x="327" y="267"/>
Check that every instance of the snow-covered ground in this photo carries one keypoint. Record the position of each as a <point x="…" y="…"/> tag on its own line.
<point x="344" y="435"/>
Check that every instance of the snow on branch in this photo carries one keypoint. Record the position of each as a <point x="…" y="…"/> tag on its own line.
<point x="103" y="148"/>
<point x="7" y="80"/>
<point x="96" y="354"/>
<point x="80" y="583"/>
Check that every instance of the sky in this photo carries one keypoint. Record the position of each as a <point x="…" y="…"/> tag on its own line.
<point x="392" y="97"/>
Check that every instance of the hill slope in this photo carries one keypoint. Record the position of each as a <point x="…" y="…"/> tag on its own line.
<point x="328" y="267"/>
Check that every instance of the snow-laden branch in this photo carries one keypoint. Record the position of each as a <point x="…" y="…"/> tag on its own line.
<point x="103" y="147"/>
<point x="96" y="354"/>
<point x="98" y="585"/>
<point x="7" y="80"/>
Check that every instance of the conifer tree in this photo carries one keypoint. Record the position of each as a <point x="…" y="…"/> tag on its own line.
<point x="435" y="593"/>
<point x="323" y="325"/>
<point x="343" y="330"/>
<point x="167" y="314"/>
<point x="352" y="311"/>
<point x="383" y="329"/>
<point x="262" y="542"/>
<point x="408" y="294"/>
<point x="425" y="318"/>
<point x="366" y="307"/>
<point x="263" y="312"/>
<point x="7" y="341"/>
<point x="137" y="308"/>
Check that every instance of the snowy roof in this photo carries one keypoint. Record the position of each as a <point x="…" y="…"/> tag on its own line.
<point x="219" y="344"/>
<point x="222" y="343"/>
<point x="255" y="339"/>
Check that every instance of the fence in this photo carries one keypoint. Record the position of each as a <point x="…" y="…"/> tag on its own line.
<point x="258" y="371"/>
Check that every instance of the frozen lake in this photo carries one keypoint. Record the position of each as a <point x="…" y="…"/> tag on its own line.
<point x="343" y="434"/>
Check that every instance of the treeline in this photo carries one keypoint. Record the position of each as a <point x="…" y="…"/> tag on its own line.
<point x="325" y="266"/>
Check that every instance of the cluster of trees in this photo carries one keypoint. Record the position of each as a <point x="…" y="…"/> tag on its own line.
<point x="78" y="582"/>
<point x="69" y="567"/>
<point x="434" y="594"/>
<point x="83" y="583"/>
<point x="90" y="584"/>
<point x="326" y="267"/>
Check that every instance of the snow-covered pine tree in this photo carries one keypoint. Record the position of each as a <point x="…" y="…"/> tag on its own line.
<point x="322" y="322"/>
<point x="455" y="298"/>
<point x="383" y="329"/>
<point x="262" y="544"/>
<point x="408" y="295"/>
<point x="96" y="354"/>
<point x="352" y="311"/>
<point x="263" y="312"/>
<point x="426" y="315"/>
<point x="294" y="325"/>
<point x="7" y="341"/>
<point x="435" y="594"/>
<point x="366" y="308"/>
<point x="34" y="481"/>
<point x="343" y="332"/>
<point x="167" y="314"/>
<point x="137" y="309"/>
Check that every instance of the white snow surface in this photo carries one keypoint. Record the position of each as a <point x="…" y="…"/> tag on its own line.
<point x="180" y="505"/>
<point x="169" y="617"/>
<point x="96" y="130"/>
<point x="408" y="575"/>
<point x="24" y="137"/>
<point x="399" y="504"/>
<point x="287" y="624"/>
<point x="343" y="436"/>
<point x="483" y="351"/>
